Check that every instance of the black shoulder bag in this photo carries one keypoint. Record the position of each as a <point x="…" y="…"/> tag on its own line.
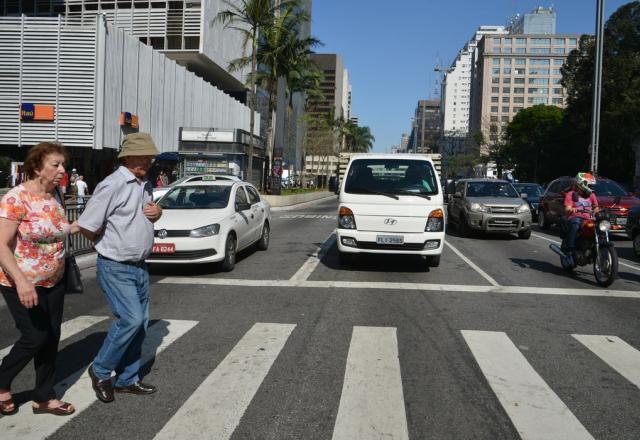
<point x="72" y="277"/>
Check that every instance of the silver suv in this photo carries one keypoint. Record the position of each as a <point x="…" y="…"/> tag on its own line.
<point x="489" y="205"/>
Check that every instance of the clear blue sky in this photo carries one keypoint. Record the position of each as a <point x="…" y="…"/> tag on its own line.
<point x="391" y="47"/>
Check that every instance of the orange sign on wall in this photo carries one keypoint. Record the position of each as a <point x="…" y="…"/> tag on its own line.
<point x="37" y="112"/>
<point x="129" y="119"/>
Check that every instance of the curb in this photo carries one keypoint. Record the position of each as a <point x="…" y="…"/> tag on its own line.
<point x="302" y="205"/>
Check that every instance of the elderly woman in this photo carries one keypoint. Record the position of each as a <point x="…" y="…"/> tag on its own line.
<point x="33" y="228"/>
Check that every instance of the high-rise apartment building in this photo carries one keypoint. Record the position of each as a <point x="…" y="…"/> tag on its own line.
<point x="332" y="86"/>
<point x="540" y="21"/>
<point x="515" y="71"/>
<point x="427" y="125"/>
<point x="404" y="142"/>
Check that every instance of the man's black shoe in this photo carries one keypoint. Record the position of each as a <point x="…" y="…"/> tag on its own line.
<point x="136" y="388"/>
<point x="103" y="388"/>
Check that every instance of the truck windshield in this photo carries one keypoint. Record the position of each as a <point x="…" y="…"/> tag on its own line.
<point x="391" y="176"/>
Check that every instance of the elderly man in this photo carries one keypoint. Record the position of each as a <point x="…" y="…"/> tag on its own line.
<point x="119" y="217"/>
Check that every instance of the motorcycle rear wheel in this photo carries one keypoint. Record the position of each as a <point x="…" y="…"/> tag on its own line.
<point x="606" y="270"/>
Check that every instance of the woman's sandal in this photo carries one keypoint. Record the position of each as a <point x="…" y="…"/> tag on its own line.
<point x="9" y="403"/>
<point x="65" y="409"/>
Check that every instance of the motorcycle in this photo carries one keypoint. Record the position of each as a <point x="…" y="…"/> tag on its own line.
<point x="592" y="246"/>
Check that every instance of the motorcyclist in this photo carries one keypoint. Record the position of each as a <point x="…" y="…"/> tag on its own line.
<point x="580" y="204"/>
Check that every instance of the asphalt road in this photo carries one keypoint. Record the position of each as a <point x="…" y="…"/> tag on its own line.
<point x="496" y="343"/>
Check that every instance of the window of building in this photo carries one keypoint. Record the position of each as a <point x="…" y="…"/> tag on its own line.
<point x="517" y="109"/>
<point x="506" y="80"/>
<point x="558" y="50"/>
<point x="506" y="61"/>
<point x="494" y="118"/>
<point x="519" y="71"/>
<point x="521" y="50"/>
<point x="539" y="62"/>
<point x="505" y="119"/>
<point x="495" y="80"/>
<point x="556" y="72"/>
<point x="518" y="90"/>
<point x="495" y="89"/>
<point x="506" y="70"/>
<point x="558" y="61"/>
<point x="506" y="90"/>
<point x="494" y="99"/>
<point x="538" y="90"/>
<point x="538" y="100"/>
<point x="540" y="41"/>
<point x="191" y="42"/>
<point x="521" y="41"/>
<point x="496" y="41"/>
<point x="537" y="71"/>
<point x="557" y="101"/>
<point x="539" y="50"/>
<point x="539" y="81"/>
<point x="518" y="80"/>
<point x="496" y="61"/>
<point x="494" y="109"/>
<point x="507" y="41"/>
<point x="518" y="100"/>
<point x="573" y="41"/>
<point x="557" y="91"/>
<point x="505" y="99"/>
<point x="505" y="109"/>
<point x="521" y="61"/>
<point x="495" y="71"/>
<point x="558" y="41"/>
<point x="506" y="50"/>
<point x="557" y="80"/>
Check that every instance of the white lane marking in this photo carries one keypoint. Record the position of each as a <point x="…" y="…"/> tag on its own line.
<point x="307" y="216"/>
<point x="69" y="328"/>
<point x="214" y="410"/>
<point x="535" y="410"/>
<point x="518" y="290"/>
<point x="372" y="401"/>
<point x="312" y="262"/>
<point x="621" y="263"/>
<point x="77" y="387"/>
<point x="484" y="275"/>
<point x="620" y="356"/>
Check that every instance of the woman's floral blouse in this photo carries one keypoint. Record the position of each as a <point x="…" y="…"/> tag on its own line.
<point x="39" y="243"/>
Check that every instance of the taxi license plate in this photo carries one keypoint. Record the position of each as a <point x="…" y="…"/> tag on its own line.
<point x="621" y="221"/>
<point x="389" y="239"/>
<point x="164" y="248"/>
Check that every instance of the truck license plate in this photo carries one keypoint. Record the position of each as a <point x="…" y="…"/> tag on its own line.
<point x="390" y="239"/>
<point x="621" y="221"/>
<point x="164" y="248"/>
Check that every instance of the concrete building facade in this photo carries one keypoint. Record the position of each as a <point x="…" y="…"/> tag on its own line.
<point x="427" y="127"/>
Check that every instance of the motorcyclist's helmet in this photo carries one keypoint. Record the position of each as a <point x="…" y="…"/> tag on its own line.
<point x="585" y="182"/>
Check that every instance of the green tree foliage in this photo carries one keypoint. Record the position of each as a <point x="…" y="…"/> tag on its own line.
<point x="532" y="143"/>
<point x="459" y="165"/>
<point x="620" y="106"/>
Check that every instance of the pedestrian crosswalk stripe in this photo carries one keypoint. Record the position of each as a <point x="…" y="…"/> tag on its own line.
<point x="76" y="388"/>
<point x="214" y="410"/>
<point x="69" y="328"/>
<point x="535" y="410"/>
<point x="372" y="402"/>
<point x="620" y="356"/>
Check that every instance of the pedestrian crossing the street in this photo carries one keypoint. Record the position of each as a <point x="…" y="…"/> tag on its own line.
<point x="372" y="400"/>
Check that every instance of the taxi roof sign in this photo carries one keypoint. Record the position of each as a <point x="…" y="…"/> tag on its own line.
<point x="208" y="178"/>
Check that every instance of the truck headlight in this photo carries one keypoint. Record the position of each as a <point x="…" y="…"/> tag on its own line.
<point x="205" y="231"/>
<point x="478" y="207"/>
<point x="435" y="222"/>
<point x="346" y="220"/>
<point x="523" y="208"/>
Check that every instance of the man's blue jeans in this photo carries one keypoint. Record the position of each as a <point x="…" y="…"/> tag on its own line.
<point x="127" y="290"/>
<point x="574" y="226"/>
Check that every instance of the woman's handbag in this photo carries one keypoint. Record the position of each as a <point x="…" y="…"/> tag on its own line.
<point x="72" y="277"/>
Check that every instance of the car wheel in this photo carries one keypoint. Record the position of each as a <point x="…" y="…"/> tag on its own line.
<point x="263" y="243"/>
<point x="542" y="220"/>
<point x="636" y="244"/>
<point x="230" y="249"/>
<point x="433" y="260"/>
<point x="525" y="235"/>
<point x="345" y="258"/>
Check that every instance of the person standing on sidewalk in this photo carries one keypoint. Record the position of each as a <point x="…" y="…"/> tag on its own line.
<point x="119" y="217"/>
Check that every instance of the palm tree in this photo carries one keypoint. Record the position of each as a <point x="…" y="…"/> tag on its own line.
<point x="250" y="18"/>
<point x="361" y="139"/>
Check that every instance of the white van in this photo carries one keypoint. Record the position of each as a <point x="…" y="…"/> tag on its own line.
<point x="391" y="204"/>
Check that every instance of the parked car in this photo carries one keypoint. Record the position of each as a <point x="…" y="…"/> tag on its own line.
<point x="160" y="191"/>
<point x="533" y="191"/>
<point x="210" y="221"/>
<point x="489" y="205"/>
<point x="391" y="204"/>
<point x="633" y="228"/>
<point x="610" y="196"/>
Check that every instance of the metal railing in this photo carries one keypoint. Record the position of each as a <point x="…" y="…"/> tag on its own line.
<point x="79" y="243"/>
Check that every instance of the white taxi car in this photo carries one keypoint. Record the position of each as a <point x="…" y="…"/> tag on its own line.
<point x="162" y="190"/>
<point x="391" y="204"/>
<point x="209" y="221"/>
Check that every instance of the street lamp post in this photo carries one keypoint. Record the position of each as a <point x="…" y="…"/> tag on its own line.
<point x="597" y="87"/>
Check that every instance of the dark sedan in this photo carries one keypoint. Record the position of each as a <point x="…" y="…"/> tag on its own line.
<point x="534" y="192"/>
